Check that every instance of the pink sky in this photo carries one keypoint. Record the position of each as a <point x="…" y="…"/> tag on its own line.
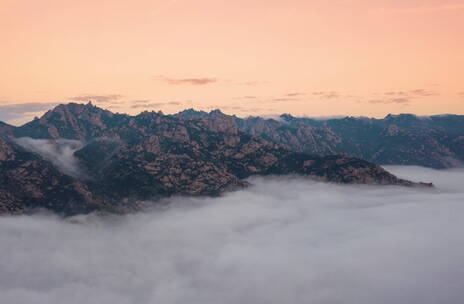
<point x="316" y="58"/>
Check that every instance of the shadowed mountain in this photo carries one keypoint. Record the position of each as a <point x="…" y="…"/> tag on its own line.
<point x="125" y="159"/>
<point x="435" y="141"/>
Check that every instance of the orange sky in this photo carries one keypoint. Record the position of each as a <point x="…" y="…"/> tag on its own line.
<point x="246" y="57"/>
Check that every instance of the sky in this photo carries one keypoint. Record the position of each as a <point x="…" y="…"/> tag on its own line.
<point x="282" y="240"/>
<point x="261" y="57"/>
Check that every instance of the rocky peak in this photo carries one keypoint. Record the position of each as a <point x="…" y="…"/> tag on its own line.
<point x="71" y="121"/>
<point x="191" y="113"/>
<point x="215" y="120"/>
<point x="286" y="117"/>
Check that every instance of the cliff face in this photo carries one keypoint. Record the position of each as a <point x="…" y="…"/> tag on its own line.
<point x="129" y="158"/>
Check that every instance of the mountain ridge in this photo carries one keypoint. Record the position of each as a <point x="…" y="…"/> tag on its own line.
<point x="405" y="139"/>
<point x="127" y="159"/>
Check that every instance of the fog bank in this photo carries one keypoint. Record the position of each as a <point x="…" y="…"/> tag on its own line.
<point x="283" y="240"/>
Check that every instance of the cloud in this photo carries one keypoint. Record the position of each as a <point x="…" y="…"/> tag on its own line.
<point x="391" y="100"/>
<point x="295" y="94"/>
<point x="403" y="97"/>
<point x="60" y="152"/>
<point x="22" y="112"/>
<point x="323" y="95"/>
<point x="418" y="93"/>
<point x="97" y="98"/>
<point x="199" y="81"/>
<point x="253" y="83"/>
<point x="155" y="104"/>
<point x="246" y="97"/>
<point x="392" y="93"/>
<point x="188" y="81"/>
<point x="272" y="99"/>
<point x="400" y="100"/>
<point x="283" y="99"/>
<point x="239" y="109"/>
<point x="326" y="94"/>
<point x="283" y="240"/>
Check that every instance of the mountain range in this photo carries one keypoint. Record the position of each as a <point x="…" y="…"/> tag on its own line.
<point x="80" y="158"/>
<point x="405" y="139"/>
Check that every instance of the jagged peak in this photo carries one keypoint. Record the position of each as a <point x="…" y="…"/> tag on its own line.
<point x="216" y="111"/>
<point x="149" y="114"/>
<point x="76" y="108"/>
<point x="287" y="117"/>
<point x="191" y="112"/>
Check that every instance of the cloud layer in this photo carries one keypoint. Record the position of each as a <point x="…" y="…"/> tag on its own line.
<point x="13" y="112"/>
<point x="284" y="240"/>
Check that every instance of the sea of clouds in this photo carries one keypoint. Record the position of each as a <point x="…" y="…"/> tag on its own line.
<point x="283" y="240"/>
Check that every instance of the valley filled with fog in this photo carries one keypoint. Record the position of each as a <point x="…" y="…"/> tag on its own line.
<point x="282" y="240"/>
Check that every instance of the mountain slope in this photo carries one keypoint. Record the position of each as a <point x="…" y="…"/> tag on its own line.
<point x="126" y="159"/>
<point x="28" y="181"/>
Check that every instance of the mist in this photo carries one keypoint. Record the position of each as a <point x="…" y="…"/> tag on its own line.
<point x="59" y="152"/>
<point x="282" y="240"/>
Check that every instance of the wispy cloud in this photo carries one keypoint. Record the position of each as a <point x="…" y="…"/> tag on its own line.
<point x="145" y="104"/>
<point x="391" y="100"/>
<point x="97" y="98"/>
<point x="402" y="96"/>
<point x="283" y="99"/>
<point x="252" y="83"/>
<point x="327" y="94"/>
<point x="418" y="93"/>
<point x="20" y="112"/>
<point x="240" y="109"/>
<point x="292" y="96"/>
<point x="202" y="81"/>
<point x="248" y="97"/>
<point x="60" y="152"/>
<point x="188" y="81"/>
<point x="295" y="94"/>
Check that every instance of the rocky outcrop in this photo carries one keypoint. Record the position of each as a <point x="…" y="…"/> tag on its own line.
<point x="131" y="158"/>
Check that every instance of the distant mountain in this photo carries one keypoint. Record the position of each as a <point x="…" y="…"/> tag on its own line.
<point x="121" y="160"/>
<point x="434" y="141"/>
